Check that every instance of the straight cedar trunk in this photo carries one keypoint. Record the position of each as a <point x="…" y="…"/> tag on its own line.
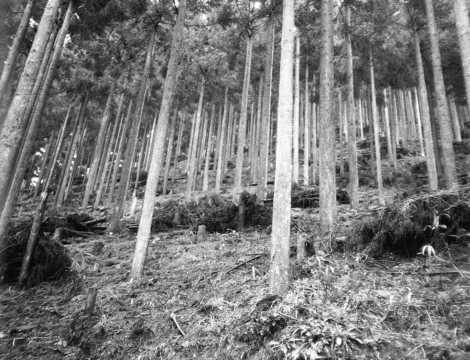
<point x="191" y="140"/>
<point x="107" y="171"/>
<point x="179" y="141"/>
<point x="388" y="128"/>
<point x="314" y="143"/>
<point x="463" y="31"/>
<point x="169" y="153"/>
<point x="202" y="144"/>
<point x="455" y="119"/>
<point x="307" y="123"/>
<point x="14" y="125"/>
<point x="351" y="118"/>
<point x="68" y="164"/>
<point x="205" y="178"/>
<point x="103" y="164"/>
<point x="136" y="182"/>
<point x="295" y="170"/>
<point x="283" y="176"/>
<point x="237" y="188"/>
<point x="221" y="147"/>
<point x="266" y="113"/>
<point x="10" y="62"/>
<point x="443" y="116"/>
<point x="120" y="152"/>
<point x="419" y="120"/>
<point x="375" y="120"/>
<point x="97" y="153"/>
<point x="118" y="206"/>
<point x="149" y="147"/>
<point x="192" y="152"/>
<point x="258" y="131"/>
<point x="169" y="86"/>
<point x="327" y="170"/>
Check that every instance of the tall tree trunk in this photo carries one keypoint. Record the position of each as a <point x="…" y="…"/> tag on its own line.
<point x="388" y="128"/>
<point x="169" y="86"/>
<point x="307" y="125"/>
<point x="120" y="151"/>
<point x="222" y="142"/>
<point x="192" y="152"/>
<point x="97" y="153"/>
<point x="169" y="153"/>
<point x="205" y="179"/>
<point x="266" y="113"/>
<point x="14" y="125"/>
<point x="295" y="170"/>
<point x="283" y="176"/>
<point x="118" y="206"/>
<point x="455" y="119"/>
<point x="179" y="141"/>
<point x="327" y="136"/>
<point x="445" y="127"/>
<point x="351" y="118"/>
<point x="10" y="62"/>
<point x="66" y="172"/>
<point x="375" y="119"/>
<point x="243" y="118"/>
<point x="463" y="31"/>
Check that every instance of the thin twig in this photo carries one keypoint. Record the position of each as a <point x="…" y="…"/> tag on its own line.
<point x="173" y="317"/>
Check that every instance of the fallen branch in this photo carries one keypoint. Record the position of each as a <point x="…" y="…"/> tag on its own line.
<point x="173" y="318"/>
<point x="243" y="263"/>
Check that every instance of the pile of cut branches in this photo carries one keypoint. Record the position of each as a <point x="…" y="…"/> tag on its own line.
<point x="403" y="228"/>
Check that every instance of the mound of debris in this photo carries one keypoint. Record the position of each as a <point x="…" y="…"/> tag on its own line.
<point x="74" y="225"/>
<point x="50" y="260"/>
<point x="403" y="228"/>
<point x="310" y="197"/>
<point x="217" y="213"/>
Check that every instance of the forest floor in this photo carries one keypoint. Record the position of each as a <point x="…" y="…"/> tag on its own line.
<point x="207" y="300"/>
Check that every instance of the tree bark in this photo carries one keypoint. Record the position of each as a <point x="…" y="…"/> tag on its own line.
<point x="10" y="62"/>
<point x="295" y="170"/>
<point x="97" y="153"/>
<point x="375" y="119"/>
<point x="463" y="31"/>
<point x="266" y="113"/>
<point x="120" y="151"/>
<point x="237" y="188"/>
<point x="205" y="180"/>
<point x="327" y="173"/>
<point x="192" y="152"/>
<point x="283" y="176"/>
<point x="351" y="118"/>
<point x="169" y="153"/>
<point x="445" y="127"/>
<point x="307" y="125"/>
<point x="169" y="86"/>
<point x="222" y="142"/>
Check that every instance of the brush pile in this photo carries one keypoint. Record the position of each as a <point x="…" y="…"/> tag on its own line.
<point x="50" y="260"/>
<point x="403" y="228"/>
<point x="217" y="213"/>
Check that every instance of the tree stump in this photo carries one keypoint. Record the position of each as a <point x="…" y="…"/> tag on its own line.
<point x="201" y="233"/>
